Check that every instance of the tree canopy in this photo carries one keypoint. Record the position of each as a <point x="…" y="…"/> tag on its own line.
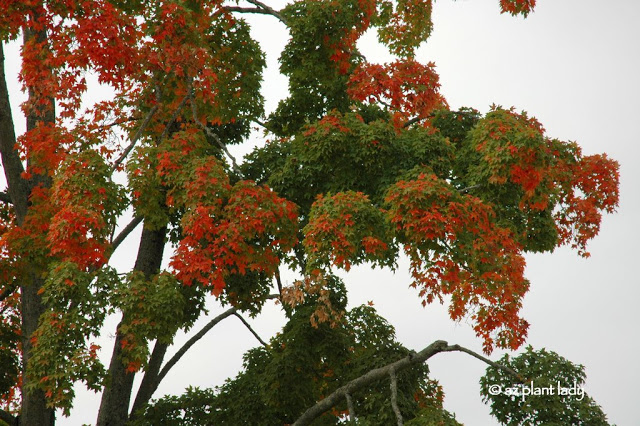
<point x="362" y="163"/>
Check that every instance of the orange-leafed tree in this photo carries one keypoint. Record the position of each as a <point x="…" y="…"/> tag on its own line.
<point x="365" y="163"/>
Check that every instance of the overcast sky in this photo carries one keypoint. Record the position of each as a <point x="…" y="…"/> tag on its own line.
<point x="573" y="64"/>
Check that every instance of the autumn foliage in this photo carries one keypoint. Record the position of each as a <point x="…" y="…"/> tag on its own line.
<point x="366" y="163"/>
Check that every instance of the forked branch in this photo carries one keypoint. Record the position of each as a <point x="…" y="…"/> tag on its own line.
<point x="260" y="8"/>
<point x="199" y="335"/>
<point x="388" y="371"/>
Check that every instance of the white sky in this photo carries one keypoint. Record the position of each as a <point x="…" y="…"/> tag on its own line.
<point x="574" y="64"/>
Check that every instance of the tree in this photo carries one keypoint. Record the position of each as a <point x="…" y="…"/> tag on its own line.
<point x="367" y="162"/>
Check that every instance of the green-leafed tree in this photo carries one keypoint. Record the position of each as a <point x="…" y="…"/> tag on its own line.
<point x="365" y="163"/>
<point x="560" y="401"/>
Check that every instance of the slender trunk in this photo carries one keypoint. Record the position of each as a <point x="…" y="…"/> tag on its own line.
<point x="150" y="381"/>
<point x="114" y="407"/>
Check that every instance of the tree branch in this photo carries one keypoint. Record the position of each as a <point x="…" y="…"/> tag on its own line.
<point x="352" y="410"/>
<point x="368" y="378"/>
<point x="458" y="348"/>
<point x="150" y="379"/>
<point x="192" y="341"/>
<point x="394" y="396"/>
<point x="239" y="9"/>
<point x="212" y="135"/>
<point x="134" y="140"/>
<point x="469" y="188"/>
<point x="174" y="117"/>
<point x="125" y="233"/>
<point x="279" y="282"/>
<point x="413" y="121"/>
<point x="380" y="373"/>
<point x="269" y="9"/>
<point x="18" y="188"/>
<point x="246" y="324"/>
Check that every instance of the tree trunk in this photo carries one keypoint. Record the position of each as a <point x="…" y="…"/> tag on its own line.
<point x="34" y="410"/>
<point x="114" y="407"/>
<point x="150" y="381"/>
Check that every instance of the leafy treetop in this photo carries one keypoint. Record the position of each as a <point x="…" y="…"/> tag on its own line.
<point x="366" y="162"/>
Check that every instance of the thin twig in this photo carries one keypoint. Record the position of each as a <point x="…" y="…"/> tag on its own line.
<point x="246" y="324"/>
<point x="116" y="123"/>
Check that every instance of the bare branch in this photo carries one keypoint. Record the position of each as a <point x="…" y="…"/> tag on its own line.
<point x="192" y="341"/>
<point x="246" y="324"/>
<point x="394" y="396"/>
<point x="145" y="123"/>
<point x="414" y="120"/>
<point x="239" y="9"/>
<point x="269" y="9"/>
<point x="458" y="348"/>
<point x="125" y="232"/>
<point x="278" y="282"/>
<point x="469" y="188"/>
<point x="380" y="373"/>
<point x="368" y="378"/>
